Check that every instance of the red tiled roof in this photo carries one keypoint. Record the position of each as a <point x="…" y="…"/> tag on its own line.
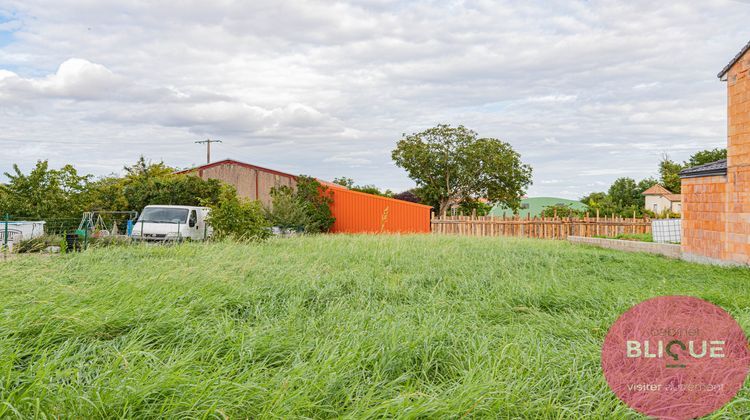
<point x="657" y="190"/>
<point x="673" y="197"/>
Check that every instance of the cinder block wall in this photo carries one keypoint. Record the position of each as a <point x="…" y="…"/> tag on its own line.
<point x="738" y="162"/>
<point x="704" y="206"/>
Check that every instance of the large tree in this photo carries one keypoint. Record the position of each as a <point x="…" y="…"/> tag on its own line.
<point x="669" y="174"/>
<point x="369" y="189"/>
<point x="44" y="192"/>
<point x="669" y="170"/>
<point x="452" y="164"/>
<point x="625" y="193"/>
<point x="706" y="156"/>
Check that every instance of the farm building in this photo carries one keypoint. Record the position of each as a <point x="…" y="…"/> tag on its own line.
<point x="355" y="212"/>
<point x="660" y="199"/>
<point x="253" y="182"/>
<point x="716" y="196"/>
<point x="533" y="207"/>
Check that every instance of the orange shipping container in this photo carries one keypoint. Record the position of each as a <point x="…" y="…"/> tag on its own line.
<point x="358" y="212"/>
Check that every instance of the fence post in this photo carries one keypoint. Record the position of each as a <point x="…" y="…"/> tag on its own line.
<point x="5" y="233"/>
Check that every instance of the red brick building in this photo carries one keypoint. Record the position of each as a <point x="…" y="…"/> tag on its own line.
<point x="716" y="196"/>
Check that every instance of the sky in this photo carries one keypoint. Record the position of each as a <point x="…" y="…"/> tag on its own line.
<point x="585" y="91"/>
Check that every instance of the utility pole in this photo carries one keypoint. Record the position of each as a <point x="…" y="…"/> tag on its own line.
<point x="208" y="148"/>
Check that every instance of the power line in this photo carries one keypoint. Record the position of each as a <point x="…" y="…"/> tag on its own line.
<point x="208" y="147"/>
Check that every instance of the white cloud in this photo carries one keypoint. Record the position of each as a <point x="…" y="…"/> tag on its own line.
<point x="582" y="89"/>
<point x="75" y="79"/>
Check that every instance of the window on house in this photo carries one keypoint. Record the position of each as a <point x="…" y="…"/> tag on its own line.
<point x="656" y="208"/>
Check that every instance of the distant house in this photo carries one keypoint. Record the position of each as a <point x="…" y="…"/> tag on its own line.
<point x="660" y="199"/>
<point x="533" y="206"/>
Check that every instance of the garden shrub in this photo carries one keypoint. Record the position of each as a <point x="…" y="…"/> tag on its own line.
<point x="307" y="208"/>
<point x="561" y="210"/>
<point x="287" y="211"/>
<point x="237" y="218"/>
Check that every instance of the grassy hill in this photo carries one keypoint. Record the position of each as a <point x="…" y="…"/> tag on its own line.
<point x="533" y="206"/>
<point x="327" y="326"/>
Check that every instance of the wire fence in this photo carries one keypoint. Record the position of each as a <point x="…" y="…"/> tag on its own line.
<point x="667" y="230"/>
<point x="30" y="234"/>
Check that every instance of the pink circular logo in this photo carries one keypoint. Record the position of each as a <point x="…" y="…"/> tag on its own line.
<point x="675" y="357"/>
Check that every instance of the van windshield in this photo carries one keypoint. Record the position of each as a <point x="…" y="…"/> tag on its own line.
<point x="163" y="215"/>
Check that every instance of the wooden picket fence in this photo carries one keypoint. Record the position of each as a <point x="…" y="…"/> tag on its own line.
<point x="542" y="228"/>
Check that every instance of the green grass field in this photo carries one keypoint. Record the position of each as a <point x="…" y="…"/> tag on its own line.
<point x="329" y="326"/>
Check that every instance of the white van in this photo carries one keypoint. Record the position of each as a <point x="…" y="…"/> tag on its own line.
<point x="172" y="223"/>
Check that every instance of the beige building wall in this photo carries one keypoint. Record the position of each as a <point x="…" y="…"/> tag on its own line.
<point x="658" y="203"/>
<point x="251" y="182"/>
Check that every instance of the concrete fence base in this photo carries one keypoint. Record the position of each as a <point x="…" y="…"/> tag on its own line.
<point x="667" y="250"/>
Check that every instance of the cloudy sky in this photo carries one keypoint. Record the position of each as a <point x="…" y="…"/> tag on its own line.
<point x="586" y="91"/>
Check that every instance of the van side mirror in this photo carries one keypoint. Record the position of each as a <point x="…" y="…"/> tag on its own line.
<point x="191" y="223"/>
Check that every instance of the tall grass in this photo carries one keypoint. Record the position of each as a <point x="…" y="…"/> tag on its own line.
<point x="330" y="326"/>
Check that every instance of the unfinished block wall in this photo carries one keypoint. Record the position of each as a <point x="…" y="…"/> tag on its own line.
<point x="737" y="248"/>
<point x="704" y="206"/>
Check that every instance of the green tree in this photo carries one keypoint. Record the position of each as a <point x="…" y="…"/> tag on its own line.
<point x="479" y="208"/>
<point x="561" y="210"/>
<point x="599" y="203"/>
<point x="106" y="193"/>
<point x="706" y="156"/>
<point x="146" y="169"/>
<point x="451" y="165"/>
<point x="44" y="193"/>
<point x="344" y="182"/>
<point x="155" y="183"/>
<point x="624" y="194"/>
<point x="647" y="183"/>
<point x="669" y="174"/>
<point x="316" y="200"/>
<point x="408" y="195"/>
<point x="369" y="189"/>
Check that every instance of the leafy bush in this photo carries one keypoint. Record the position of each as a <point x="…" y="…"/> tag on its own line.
<point x="561" y="210"/>
<point x="287" y="210"/>
<point x="236" y="218"/>
<point x="408" y="195"/>
<point x="316" y="200"/>
<point x="474" y="207"/>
